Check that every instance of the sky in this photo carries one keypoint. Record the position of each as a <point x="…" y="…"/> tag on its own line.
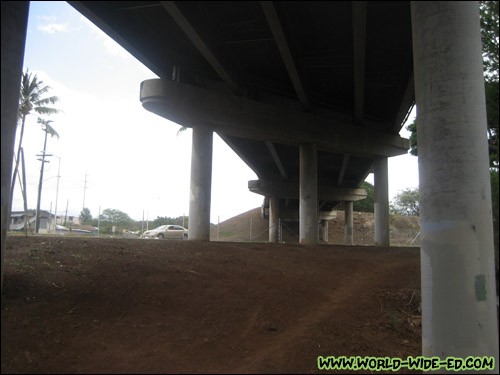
<point x="111" y="152"/>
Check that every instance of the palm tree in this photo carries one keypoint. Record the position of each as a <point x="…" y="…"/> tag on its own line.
<point x="31" y="98"/>
<point x="182" y="129"/>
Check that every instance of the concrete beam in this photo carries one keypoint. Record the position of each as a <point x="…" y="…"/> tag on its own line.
<point x="241" y="117"/>
<point x="286" y="55"/>
<point x="240" y="154"/>
<point x="288" y="189"/>
<point x="201" y="184"/>
<point x="277" y="159"/>
<point x="459" y="312"/>
<point x="14" y="23"/>
<point x="81" y="7"/>
<point x="359" y="49"/>
<point x="308" y="195"/>
<point x="200" y="44"/>
<point x="381" y="205"/>
<point x="345" y="161"/>
<point x="406" y="102"/>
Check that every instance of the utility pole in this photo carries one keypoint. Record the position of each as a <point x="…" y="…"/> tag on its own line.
<point x="84" y="189"/>
<point x="43" y="155"/>
<point x="66" y="216"/>
<point x="23" y="190"/>
<point x="57" y="189"/>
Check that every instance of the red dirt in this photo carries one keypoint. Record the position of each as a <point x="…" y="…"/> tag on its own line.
<point x="88" y="305"/>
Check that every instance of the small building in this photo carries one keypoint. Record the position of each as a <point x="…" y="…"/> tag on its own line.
<point x="47" y="221"/>
<point x="17" y="220"/>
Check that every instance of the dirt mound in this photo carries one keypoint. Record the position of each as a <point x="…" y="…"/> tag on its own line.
<point x="403" y="229"/>
<point x="87" y="305"/>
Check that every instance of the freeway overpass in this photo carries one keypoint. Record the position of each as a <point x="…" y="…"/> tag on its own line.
<point x="272" y="78"/>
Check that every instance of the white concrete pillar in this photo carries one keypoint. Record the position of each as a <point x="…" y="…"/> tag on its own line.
<point x="459" y="315"/>
<point x="381" y="195"/>
<point x="14" y="24"/>
<point x="324" y="230"/>
<point x="274" y="214"/>
<point x="349" y="222"/>
<point x="308" y="200"/>
<point x="201" y="184"/>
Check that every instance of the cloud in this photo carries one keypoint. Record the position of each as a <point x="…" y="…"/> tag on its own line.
<point x="48" y="25"/>
<point x="51" y="28"/>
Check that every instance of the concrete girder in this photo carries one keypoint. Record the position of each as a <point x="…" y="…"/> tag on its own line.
<point x="408" y="99"/>
<point x="123" y="41"/>
<point x="287" y="189"/>
<point x="228" y="114"/>
<point x="240" y="154"/>
<point x="200" y="44"/>
<point x="345" y="162"/>
<point x="359" y="9"/>
<point x="286" y="55"/>
<point x="277" y="160"/>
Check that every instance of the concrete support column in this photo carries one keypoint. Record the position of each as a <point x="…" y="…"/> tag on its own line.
<point x="324" y="230"/>
<point x="14" y="24"/>
<point x="381" y="193"/>
<point x="308" y="195"/>
<point x="201" y="184"/>
<point x="274" y="214"/>
<point x="349" y="222"/>
<point x="459" y="315"/>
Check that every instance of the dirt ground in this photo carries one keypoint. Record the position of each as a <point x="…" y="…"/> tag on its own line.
<point x="89" y="305"/>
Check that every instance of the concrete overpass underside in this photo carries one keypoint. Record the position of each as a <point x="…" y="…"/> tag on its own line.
<point x="270" y="77"/>
<point x="312" y="96"/>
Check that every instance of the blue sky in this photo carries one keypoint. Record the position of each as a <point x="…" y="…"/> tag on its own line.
<point x="134" y="159"/>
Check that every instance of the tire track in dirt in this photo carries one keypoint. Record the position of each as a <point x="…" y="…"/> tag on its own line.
<point x="349" y="293"/>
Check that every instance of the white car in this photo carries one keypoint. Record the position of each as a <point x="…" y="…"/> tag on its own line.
<point x="167" y="232"/>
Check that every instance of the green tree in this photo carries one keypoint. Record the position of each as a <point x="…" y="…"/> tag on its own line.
<point x="406" y="203"/>
<point x="181" y="130"/>
<point x="32" y="98"/>
<point x="170" y="220"/>
<point x="488" y="12"/>
<point x="367" y="204"/>
<point x="413" y="138"/>
<point x="115" y="217"/>
<point x="85" y="216"/>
